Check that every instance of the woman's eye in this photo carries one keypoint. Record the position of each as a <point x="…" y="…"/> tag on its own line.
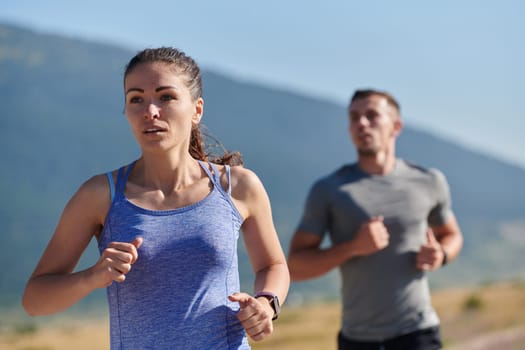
<point x="135" y="99"/>
<point x="167" y="98"/>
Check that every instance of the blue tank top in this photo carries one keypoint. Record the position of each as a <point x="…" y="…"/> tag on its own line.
<point x="176" y="294"/>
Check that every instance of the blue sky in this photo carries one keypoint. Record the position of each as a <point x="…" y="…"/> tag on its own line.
<point x="457" y="67"/>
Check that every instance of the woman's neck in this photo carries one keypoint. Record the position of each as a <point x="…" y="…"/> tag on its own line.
<point x="167" y="173"/>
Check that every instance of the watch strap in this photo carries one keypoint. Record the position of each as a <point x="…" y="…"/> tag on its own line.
<point x="274" y="302"/>
<point x="445" y="256"/>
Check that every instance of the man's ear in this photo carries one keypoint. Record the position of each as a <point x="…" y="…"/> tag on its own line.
<point x="398" y="126"/>
<point x="199" y="110"/>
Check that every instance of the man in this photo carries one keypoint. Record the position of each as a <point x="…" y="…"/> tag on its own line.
<point x="389" y="223"/>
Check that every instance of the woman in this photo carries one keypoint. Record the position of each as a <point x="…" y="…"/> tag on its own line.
<point x="167" y="227"/>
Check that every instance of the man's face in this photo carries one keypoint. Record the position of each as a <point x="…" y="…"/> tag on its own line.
<point x="374" y="124"/>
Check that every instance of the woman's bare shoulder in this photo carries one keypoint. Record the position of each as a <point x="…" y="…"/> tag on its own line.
<point x="96" y="184"/>
<point x="242" y="174"/>
<point x="245" y="183"/>
<point x="94" y="195"/>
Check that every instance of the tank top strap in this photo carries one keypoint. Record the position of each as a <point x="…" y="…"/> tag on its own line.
<point x="204" y="166"/>
<point x="228" y="177"/>
<point x="216" y="176"/>
<point x="122" y="178"/>
<point x="111" y="185"/>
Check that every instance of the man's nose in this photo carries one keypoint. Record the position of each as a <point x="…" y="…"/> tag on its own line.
<point x="362" y="120"/>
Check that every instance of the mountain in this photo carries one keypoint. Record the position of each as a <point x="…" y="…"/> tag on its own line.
<point x="62" y="121"/>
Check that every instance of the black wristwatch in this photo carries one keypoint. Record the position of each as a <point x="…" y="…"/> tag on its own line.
<point x="274" y="302"/>
<point x="445" y="256"/>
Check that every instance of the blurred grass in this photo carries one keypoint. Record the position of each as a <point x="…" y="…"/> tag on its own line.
<point x="466" y="313"/>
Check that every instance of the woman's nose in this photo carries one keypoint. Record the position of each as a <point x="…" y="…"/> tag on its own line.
<point x="152" y="111"/>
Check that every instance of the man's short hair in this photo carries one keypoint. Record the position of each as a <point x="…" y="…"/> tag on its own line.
<point x="365" y="93"/>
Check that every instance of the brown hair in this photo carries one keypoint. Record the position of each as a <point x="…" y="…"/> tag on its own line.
<point x="185" y="65"/>
<point x="365" y="93"/>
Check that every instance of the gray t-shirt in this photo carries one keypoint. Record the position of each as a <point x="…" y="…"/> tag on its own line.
<point x="383" y="294"/>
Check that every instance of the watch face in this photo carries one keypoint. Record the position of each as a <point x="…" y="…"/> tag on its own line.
<point x="274" y="302"/>
<point x="277" y="305"/>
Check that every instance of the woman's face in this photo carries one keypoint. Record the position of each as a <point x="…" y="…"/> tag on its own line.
<point x="160" y="108"/>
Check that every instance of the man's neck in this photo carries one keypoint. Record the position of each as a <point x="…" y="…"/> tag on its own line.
<point x="377" y="164"/>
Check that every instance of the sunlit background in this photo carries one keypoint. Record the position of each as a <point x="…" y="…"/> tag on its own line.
<point x="456" y="67"/>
